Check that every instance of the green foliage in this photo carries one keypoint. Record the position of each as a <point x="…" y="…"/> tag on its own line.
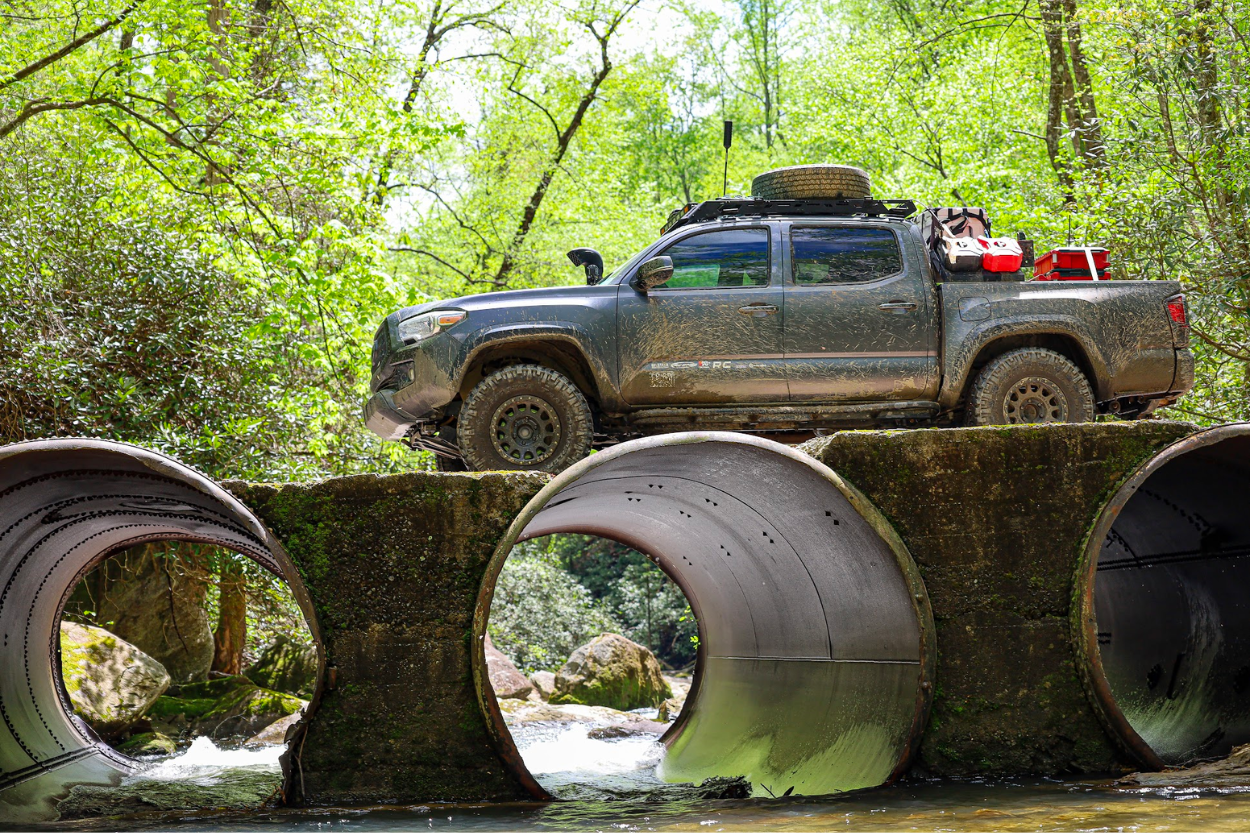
<point x="209" y="205"/>
<point x="650" y="606"/>
<point x="556" y="593"/>
<point x="540" y="614"/>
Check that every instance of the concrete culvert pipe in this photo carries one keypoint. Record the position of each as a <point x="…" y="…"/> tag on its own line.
<point x="816" y="649"/>
<point x="1164" y="602"/>
<point x="65" y="506"/>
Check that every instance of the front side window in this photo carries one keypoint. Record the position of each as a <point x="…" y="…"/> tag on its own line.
<point x="843" y="255"/>
<point x="719" y="259"/>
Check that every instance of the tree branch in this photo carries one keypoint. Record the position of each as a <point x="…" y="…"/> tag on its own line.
<point x="69" y="48"/>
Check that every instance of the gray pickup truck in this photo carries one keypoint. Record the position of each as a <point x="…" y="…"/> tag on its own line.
<point x="767" y="316"/>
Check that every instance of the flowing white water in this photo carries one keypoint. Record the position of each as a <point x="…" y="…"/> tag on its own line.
<point x="571" y="750"/>
<point x="571" y="764"/>
<point x="204" y="761"/>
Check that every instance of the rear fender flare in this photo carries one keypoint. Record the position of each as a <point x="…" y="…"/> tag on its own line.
<point x="959" y="364"/>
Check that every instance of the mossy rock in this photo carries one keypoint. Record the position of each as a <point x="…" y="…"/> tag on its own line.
<point x="611" y="671"/>
<point x="146" y="744"/>
<point x="226" y="708"/>
<point x="236" y="789"/>
<point x="110" y="682"/>
<point x="286" y="666"/>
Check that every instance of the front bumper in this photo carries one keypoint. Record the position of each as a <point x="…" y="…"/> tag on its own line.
<point x="383" y="418"/>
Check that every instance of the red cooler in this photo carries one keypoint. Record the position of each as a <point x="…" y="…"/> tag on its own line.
<point x="1072" y="263"/>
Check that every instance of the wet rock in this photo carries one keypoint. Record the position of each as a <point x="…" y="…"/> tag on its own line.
<point x="110" y="682"/>
<point x="633" y="729"/>
<point x="1233" y="771"/>
<point x="225" y="708"/>
<point x="287" y="666"/>
<point x="544" y="683"/>
<point x="672" y="707"/>
<point x="614" y="789"/>
<point x="146" y="744"/>
<point x="611" y="671"/>
<point x="238" y="789"/>
<point x="274" y="733"/>
<point x="527" y="711"/>
<point x="505" y="679"/>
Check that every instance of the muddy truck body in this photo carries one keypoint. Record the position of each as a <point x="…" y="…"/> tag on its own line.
<point x="771" y="322"/>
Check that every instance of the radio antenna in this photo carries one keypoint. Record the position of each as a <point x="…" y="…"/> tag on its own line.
<point x="729" y="140"/>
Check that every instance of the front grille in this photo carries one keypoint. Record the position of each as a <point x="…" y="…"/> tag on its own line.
<point x="381" y="349"/>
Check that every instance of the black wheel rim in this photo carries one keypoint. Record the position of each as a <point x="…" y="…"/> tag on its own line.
<point x="526" y="430"/>
<point x="1035" y="399"/>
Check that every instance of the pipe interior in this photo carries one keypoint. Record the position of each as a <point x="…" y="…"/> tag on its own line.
<point x="811" y="657"/>
<point x="1172" y="604"/>
<point x="64" y="507"/>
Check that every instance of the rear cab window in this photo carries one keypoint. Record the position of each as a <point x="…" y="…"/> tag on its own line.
<point x="824" y="255"/>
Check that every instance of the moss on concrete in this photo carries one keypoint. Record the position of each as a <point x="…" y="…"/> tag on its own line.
<point x="394" y="565"/>
<point x="996" y="519"/>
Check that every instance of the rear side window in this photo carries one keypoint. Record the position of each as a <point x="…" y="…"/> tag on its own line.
<point x="719" y="259"/>
<point x="843" y="255"/>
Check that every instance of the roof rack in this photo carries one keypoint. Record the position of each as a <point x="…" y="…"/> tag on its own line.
<point x="703" y="212"/>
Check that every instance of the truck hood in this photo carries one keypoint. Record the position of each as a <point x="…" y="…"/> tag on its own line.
<point x="497" y="300"/>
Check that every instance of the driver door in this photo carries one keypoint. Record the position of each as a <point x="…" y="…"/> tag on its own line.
<point x="712" y="334"/>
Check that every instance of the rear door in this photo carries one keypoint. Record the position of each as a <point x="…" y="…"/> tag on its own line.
<point x="860" y="315"/>
<point x="712" y="333"/>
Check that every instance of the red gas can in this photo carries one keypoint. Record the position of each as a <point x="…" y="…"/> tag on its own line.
<point x="1002" y="254"/>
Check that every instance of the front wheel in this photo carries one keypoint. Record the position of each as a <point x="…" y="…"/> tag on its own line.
<point x="1028" y="386"/>
<point x="526" y="418"/>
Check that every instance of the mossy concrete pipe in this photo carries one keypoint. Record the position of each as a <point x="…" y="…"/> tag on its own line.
<point x="65" y="505"/>
<point x="816" y="649"/>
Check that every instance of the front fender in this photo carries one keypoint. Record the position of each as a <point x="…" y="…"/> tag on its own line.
<point x="570" y="334"/>
<point x="959" y="358"/>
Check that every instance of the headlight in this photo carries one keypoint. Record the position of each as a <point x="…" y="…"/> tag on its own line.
<point x="420" y="327"/>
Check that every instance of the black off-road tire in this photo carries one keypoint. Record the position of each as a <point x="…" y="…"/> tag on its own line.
<point x="1030" y="385"/>
<point x="506" y="404"/>
<point x="808" y="182"/>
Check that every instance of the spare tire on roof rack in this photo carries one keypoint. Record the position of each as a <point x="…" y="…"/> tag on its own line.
<point x="812" y="182"/>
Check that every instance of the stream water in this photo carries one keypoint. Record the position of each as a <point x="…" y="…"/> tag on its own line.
<point x="588" y="773"/>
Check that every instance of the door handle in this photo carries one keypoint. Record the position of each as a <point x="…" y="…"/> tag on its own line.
<point x="759" y="310"/>
<point x="897" y="306"/>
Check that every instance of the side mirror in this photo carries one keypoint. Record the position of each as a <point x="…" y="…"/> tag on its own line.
<point x="593" y="262"/>
<point x="655" y="272"/>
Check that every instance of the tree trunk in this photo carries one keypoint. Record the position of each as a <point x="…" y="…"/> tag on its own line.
<point x="230" y="636"/>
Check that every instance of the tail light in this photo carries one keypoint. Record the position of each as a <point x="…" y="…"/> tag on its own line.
<point x="1176" y="311"/>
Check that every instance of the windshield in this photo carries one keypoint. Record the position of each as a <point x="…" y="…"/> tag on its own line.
<point x="627" y="266"/>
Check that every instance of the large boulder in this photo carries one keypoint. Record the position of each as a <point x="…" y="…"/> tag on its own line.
<point x="229" y="708"/>
<point x="152" y="596"/>
<point x="505" y="679"/>
<point x="287" y="666"/>
<point x="611" y="671"/>
<point x="110" y="682"/>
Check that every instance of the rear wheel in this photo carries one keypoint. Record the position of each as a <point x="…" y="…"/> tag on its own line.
<point x="526" y="418"/>
<point x="1029" y="386"/>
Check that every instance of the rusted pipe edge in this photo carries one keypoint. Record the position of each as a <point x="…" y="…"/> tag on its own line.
<point x="1083" y="619"/>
